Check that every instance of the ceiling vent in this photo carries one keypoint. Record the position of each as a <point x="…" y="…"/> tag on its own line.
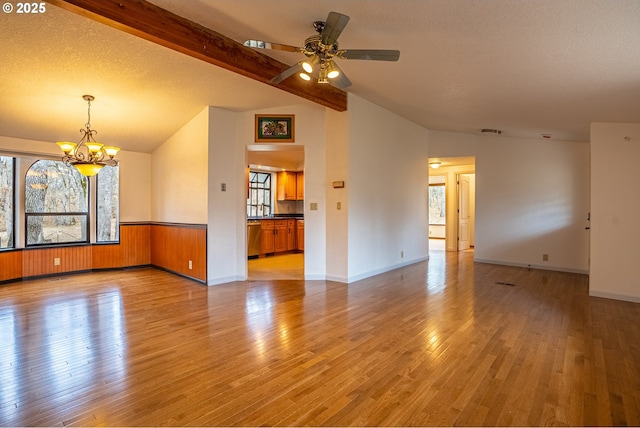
<point x="491" y="131"/>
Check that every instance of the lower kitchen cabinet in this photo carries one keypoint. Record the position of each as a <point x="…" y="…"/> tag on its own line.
<point x="277" y="236"/>
<point x="281" y="236"/>
<point x="267" y="237"/>
<point x="300" y="235"/>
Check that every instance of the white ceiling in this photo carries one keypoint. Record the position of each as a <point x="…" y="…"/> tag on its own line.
<point x="524" y="67"/>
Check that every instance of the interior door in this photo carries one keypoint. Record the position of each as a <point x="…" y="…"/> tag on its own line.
<point x="464" y="215"/>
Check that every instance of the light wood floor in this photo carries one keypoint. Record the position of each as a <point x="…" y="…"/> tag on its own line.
<point x="436" y="343"/>
<point x="281" y="266"/>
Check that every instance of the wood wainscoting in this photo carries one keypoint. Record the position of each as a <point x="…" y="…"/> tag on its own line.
<point x="10" y="265"/>
<point x="173" y="246"/>
<point x="166" y="246"/>
<point x="133" y="249"/>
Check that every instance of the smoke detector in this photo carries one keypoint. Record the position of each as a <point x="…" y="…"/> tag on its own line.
<point x="491" y="131"/>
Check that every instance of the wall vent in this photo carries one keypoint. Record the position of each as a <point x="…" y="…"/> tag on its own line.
<point x="491" y="131"/>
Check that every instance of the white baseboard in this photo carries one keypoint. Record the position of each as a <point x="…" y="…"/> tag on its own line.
<point x="614" y="296"/>
<point x="525" y="265"/>
<point x="224" y="280"/>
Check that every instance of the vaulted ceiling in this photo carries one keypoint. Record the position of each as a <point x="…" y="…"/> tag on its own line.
<point x="524" y="67"/>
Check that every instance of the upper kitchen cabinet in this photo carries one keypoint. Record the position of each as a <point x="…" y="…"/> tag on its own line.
<point x="300" y="186"/>
<point x="290" y="186"/>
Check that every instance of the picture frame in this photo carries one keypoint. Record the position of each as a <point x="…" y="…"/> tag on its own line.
<point x="275" y="128"/>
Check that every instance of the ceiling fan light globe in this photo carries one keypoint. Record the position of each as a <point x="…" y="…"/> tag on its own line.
<point x="307" y="67"/>
<point x="332" y="74"/>
<point x="304" y="76"/>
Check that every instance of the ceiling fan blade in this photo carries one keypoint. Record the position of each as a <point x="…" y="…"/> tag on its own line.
<point x="296" y="68"/>
<point x="260" y="44"/>
<point x="372" y="54"/>
<point x="342" y="81"/>
<point x="333" y="27"/>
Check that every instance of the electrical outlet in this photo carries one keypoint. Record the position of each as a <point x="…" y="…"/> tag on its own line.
<point x="545" y="257"/>
<point x="190" y="265"/>
<point x="313" y="206"/>
<point x="339" y="205"/>
<point x="56" y="261"/>
<point x="401" y="254"/>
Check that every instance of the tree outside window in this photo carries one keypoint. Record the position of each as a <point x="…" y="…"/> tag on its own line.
<point x="108" y="207"/>
<point x="56" y="204"/>
<point x="7" y="180"/>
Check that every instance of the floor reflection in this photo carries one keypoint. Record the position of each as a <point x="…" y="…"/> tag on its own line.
<point x="81" y="337"/>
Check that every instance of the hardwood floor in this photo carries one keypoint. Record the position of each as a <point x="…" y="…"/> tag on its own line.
<point x="281" y="266"/>
<point x="443" y="342"/>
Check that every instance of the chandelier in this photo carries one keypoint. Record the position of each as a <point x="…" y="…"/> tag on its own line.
<point x="88" y="156"/>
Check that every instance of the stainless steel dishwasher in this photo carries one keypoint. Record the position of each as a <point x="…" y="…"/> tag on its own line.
<point x="253" y="239"/>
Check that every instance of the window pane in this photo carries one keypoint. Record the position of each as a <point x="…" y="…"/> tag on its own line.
<point x="6" y="201"/>
<point x="61" y="191"/>
<point x="437" y="204"/>
<point x="259" y="201"/>
<point x="56" y="229"/>
<point x="108" y="213"/>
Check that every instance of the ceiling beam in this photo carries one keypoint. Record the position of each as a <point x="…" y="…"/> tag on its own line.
<point x="150" y="22"/>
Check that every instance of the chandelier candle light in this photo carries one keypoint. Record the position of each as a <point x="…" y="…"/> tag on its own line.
<point x="88" y="156"/>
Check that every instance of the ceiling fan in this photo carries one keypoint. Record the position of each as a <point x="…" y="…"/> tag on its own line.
<point x="320" y="50"/>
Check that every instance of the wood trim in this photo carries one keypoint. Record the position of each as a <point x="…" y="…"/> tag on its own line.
<point x="10" y="265"/>
<point x="173" y="246"/>
<point x="133" y="249"/>
<point x="150" y="22"/>
<point x="166" y="246"/>
<point x="41" y="261"/>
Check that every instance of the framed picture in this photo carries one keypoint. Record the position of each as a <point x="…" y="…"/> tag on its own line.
<point x="275" y="128"/>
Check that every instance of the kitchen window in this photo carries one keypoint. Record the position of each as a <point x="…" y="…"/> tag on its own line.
<point x="259" y="201"/>
<point x="7" y="212"/>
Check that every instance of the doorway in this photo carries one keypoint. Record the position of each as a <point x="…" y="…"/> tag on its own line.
<point x="273" y="209"/>
<point x="452" y="228"/>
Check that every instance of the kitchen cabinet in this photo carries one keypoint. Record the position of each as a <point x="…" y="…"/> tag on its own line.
<point x="277" y="236"/>
<point x="286" y="186"/>
<point x="281" y="236"/>
<point x="300" y="235"/>
<point x="267" y="237"/>
<point x="290" y="186"/>
<point x="291" y="235"/>
<point x="300" y="186"/>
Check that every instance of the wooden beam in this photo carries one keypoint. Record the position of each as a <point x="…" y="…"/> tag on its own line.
<point x="150" y="22"/>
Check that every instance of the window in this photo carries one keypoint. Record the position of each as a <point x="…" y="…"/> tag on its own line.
<point x="437" y="204"/>
<point x="107" y="198"/>
<point x="56" y="204"/>
<point x="259" y="202"/>
<point x="7" y="183"/>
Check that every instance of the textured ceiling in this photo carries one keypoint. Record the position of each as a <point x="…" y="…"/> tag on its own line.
<point x="524" y="67"/>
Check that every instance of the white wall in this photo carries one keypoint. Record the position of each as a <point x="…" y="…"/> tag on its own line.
<point x="615" y="210"/>
<point x="451" y="144"/>
<point x="532" y="197"/>
<point x="337" y="220"/>
<point x="179" y="174"/>
<point x="226" y="224"/>
<point x="135" y="186"/>
<point x="387" y="190"/>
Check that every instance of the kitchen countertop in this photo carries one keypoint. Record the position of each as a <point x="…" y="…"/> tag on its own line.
<point x="277" y="217"/>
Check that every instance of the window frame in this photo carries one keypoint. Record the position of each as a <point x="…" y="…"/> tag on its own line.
<point x="86" y="215"/>
<point x="250" y="206"/>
